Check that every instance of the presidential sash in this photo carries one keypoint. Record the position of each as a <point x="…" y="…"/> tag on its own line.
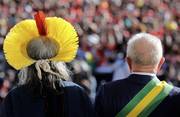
<point x="147" y="99"/>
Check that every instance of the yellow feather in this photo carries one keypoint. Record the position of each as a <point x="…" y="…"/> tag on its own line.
<point x="65" y="34"/>
<point x="17" y="39"/>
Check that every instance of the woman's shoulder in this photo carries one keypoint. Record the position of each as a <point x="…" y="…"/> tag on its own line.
<point x="17" y="94"/>
<point x="72" y="87"/>
<point x="68" y="84"/>
<point x="78" y="100"/>
<point x="18" y="90"/>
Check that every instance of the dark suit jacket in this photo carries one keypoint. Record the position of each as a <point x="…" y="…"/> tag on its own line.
<point x="20" y="103"/>
<point x="112" y="97"/>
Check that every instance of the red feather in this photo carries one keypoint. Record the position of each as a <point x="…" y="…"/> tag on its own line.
<point x="40" y="23"/>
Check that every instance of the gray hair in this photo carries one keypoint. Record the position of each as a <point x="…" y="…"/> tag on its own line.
<point x="42" y="49"/>
<point x="60" y="67"/>
<point x="144" y="49"/>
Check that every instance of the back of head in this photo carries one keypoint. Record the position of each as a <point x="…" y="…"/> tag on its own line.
<point x="42" y="49"/>
<point x="144" y="49"/>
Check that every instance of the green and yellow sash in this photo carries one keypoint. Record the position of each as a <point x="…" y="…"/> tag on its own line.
<point x="147" y="99"/>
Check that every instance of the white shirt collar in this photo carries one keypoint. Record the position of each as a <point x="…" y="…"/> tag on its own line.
<point x="144" y="73"/>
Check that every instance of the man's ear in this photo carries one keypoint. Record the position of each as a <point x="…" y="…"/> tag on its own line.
<point x="129" y="61"/>
<point x="160" y="64"/>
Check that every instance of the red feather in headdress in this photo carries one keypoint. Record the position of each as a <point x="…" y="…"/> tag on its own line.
<point x="40" y="23"/>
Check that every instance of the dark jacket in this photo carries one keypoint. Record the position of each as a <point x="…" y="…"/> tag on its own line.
<point x="73" y="103"/>
<point x="112" y="97"/>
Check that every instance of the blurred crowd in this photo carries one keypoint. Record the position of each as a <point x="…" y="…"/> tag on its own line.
<point x="104" y="27"/>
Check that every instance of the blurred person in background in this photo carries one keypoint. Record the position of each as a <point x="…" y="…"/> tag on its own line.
<point x="82" y="75"/>
<point x="5" y="88"/>
<point x="8" y="81"/>
<point x="121" y="68"/>
<point x="142" y="93"/>
<point x="1" y="85"/>
<point x="34" y="47"/>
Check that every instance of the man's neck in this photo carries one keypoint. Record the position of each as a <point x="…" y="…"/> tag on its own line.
<point x="144" y="69"/>
<point x="144" y="73"/>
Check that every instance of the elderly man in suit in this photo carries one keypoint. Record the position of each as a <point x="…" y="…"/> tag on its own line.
<point x="142" y="93"/>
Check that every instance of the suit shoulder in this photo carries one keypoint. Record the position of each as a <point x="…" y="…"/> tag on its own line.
<point x="175" y="91"/>
<point x="117" y="83"/>
<point x="68" y="85"/>
<point x="73" y="89"/>
<point x="17" y="90"/>
<point x="114" y="87"/>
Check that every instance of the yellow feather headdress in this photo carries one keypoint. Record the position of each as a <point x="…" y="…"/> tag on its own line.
<point x="19" y="36"/>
